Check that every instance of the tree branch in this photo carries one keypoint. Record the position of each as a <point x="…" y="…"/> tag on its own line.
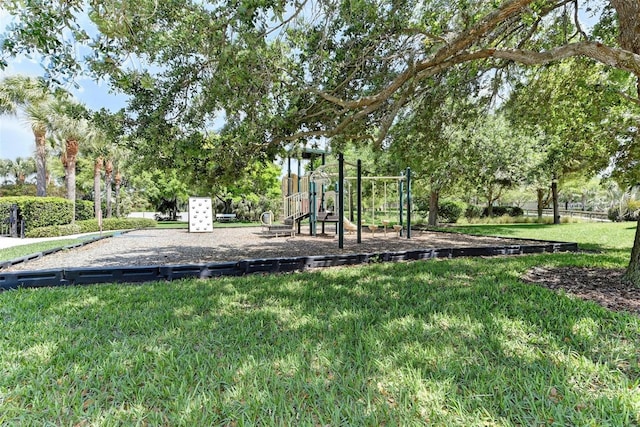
<point x="611" y="56"/>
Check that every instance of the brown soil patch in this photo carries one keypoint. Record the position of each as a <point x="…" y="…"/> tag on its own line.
<point x="600" y="285"/>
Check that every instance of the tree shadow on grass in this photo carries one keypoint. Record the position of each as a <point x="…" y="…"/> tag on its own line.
<point x="459" y="342"/>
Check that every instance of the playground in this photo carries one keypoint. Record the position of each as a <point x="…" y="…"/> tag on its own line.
<point x="178" y="246"/>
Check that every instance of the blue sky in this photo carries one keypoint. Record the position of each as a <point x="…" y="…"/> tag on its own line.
<point x="16" y="138"/>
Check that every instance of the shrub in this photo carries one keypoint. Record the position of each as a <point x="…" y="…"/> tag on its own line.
<point x="473" y="211"/>
<point x="91" y="226"/>
<point x="629" y="211"/>
<point x="613" y="213"/>
<point x="421" y="205"/>
<point x="54" y="231"/>
<point x="84" y="210"/>
<point x="503" y="210"/>
<point x="516" y="211"/>
<point x="506" y="219"/>
<point x="450" y="210"/>
<point x="40" y="211"/>
<point x="18" y="190"/>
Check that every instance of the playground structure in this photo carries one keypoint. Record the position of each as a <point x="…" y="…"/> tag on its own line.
<point x="319" y="196"/>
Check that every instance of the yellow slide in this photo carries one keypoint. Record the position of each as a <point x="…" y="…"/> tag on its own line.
<point x="349" y="226"/>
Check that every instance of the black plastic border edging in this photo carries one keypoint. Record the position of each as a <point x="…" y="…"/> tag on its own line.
<point x="38" y="255"/>
<point x="88" y="276"/>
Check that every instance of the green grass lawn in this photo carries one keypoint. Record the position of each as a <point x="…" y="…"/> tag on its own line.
<point x="32" y="248"/>
<point x="589" y="235"/>
<point x="460" y="342"/>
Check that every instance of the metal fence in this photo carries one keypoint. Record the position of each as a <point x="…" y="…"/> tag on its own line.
<point x="588" y="215"/>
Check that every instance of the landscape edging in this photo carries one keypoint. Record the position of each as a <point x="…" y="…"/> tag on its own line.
<point x="139" y="274"/>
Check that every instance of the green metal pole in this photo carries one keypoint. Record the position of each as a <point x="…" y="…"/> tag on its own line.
<point x="401" y="184"/>
<point x="341" y="201"/>
<point x="313" y="208"/>
<point x="312" y="202"/>
<point x="359" y="222"/>
<point x="408" y="203"/>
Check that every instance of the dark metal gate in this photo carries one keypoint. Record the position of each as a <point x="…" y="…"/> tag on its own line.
<point x="13" y="225"/>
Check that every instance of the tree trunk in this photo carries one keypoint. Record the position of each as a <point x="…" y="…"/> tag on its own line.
<point x="69" y="162"/>
<point x="540" y="194"/>
<point x="633" y="270"/>
<point x="97" y="193"/>
<point x="490" y="205"/>
<point x="118" y="182"/>
<point x="41" y="164"/>
<point x="554" y="195"/>
<point x="434" y="197"/>
<point x="108" y="178"/>
<point x="628" y="24"/>
<point x="629" y="38"/>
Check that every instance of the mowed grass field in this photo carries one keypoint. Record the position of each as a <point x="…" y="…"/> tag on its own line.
<point x="460" y="342"/>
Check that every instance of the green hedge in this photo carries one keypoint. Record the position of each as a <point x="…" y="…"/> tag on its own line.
<point x="502" y="211"/>
<point x="84" y="210"/>
<point x="91" y="226"/>
<point x="39" y="211"/>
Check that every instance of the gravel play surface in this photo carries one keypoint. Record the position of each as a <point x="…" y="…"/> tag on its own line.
<point x="171" y="246"/>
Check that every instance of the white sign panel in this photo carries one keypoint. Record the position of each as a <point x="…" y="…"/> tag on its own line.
<point x="200" y="215"/>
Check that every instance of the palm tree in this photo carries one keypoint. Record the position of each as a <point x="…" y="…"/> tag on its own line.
<point x="121" y="158"/>
<point x="97" y="150"/>
<point x="32" y="97"/>
<point x="108" y="180"/>
<point x="5" y="169"/>
<point x="108" y="130"/>
<point x="114" y="165"/>
<point x="21" y="168"/>
<point x="70" y="129"/>
<point x="98" y="164"/>
<point x="118" y="184"/>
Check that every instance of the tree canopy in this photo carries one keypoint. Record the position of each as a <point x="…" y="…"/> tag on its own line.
<point x="278" y="71"/>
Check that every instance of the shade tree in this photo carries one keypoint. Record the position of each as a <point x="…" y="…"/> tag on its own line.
<point x="422" y="136"/>
<point x="495" y="157"/>
<point x="577" y="132"/>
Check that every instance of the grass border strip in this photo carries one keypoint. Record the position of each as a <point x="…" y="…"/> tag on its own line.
<point x="38" y="255"/>
<point x="141" y="274"/>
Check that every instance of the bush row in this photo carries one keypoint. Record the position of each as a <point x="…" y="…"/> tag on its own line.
<point x="449" y="211"/>
<point x="84" y="210"/>
<point x="502" y="211"/>
<point x="40" y="212"/>
<point x="507" y="219"/>
<point x="91" y="226"/>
